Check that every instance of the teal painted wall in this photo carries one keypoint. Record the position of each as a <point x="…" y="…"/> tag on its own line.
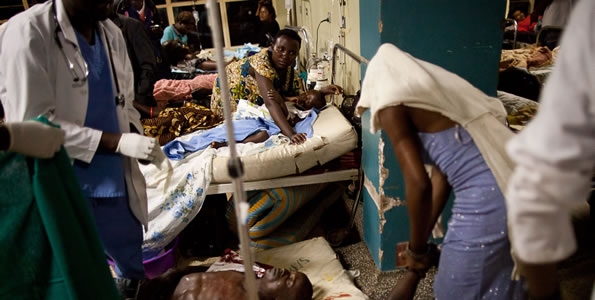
<point x="463" y="37"/>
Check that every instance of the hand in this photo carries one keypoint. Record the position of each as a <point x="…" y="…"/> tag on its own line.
<point x="138" y="146"/>
<point x="420" y="265"/>
<point x="32" y="138"/>
<point x="298" y="138"/>
<point x="272" y="95"/>
<point x="331" y="89"/>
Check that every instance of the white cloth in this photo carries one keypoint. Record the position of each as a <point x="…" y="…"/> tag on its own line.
<point x="555" y="153"/>
<point x="558" y="13"/>
<point x="394" y="77"/>
<point x="35" y="79"/>
<point x="176" y="191"/>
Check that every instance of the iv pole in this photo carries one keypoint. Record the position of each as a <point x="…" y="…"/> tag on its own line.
<point x="234" y="164"/>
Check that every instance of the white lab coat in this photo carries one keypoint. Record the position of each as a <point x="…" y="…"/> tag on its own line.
<point x="35" y="79"/>
<point x="555" y="153"/>
<point x="558" y="13"/>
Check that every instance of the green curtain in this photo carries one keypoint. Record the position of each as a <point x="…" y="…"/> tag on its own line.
<point x="51" y="246"/>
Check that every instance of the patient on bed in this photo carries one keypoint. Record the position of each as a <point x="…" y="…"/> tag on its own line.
<point x="304" y="102"/>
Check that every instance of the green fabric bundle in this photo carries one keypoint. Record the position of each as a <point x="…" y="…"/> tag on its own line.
<point x="51" y="246"/>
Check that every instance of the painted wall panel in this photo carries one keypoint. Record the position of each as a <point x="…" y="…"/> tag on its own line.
<point x="461" y="36"/>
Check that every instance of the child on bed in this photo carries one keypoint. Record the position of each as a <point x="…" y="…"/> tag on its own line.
<point x="294" y="112"/>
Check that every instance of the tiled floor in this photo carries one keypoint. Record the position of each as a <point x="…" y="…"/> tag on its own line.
<point x="577" y="274"/>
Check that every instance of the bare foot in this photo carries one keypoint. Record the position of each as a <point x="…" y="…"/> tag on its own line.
<point x="217" y="145"/>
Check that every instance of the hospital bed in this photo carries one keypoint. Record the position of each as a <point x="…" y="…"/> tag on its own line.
<point x="282" y="165"/>
<point x="176" y="194"/>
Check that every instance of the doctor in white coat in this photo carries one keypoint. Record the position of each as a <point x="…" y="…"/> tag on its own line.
<point x="64" y="59"/>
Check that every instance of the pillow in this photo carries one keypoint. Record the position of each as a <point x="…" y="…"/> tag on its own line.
<point x="319" y="262"/>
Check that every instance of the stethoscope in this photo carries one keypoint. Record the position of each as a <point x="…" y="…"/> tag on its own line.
<point x="83" y="67"/>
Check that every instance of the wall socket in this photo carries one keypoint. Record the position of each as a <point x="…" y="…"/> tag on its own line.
<point x="343" y="22"/>
<point x="329" y="16"/>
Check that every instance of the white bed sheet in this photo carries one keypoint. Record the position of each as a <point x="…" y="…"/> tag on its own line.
<point x="333" y="137"/>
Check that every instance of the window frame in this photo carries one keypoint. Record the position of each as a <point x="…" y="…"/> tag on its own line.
<point x="169" y="7"/>
<point x="25" y="5"/>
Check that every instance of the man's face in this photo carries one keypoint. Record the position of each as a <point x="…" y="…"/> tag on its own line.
<point x="137" y="4"/>
<point x="285" y="50"/>
<point x="264" y="14"/>
<point x="186" y="26"/>
<point x="95" y="10"/>
<point x="283" y="284"/>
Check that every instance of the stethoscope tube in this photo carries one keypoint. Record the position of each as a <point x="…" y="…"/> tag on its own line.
<point x="119" y="98"/>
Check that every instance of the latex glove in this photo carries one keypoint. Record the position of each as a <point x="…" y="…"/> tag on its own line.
<point x="137" y="146"/>
<point x="161" y="161"/>
<point x="32" y="138"/>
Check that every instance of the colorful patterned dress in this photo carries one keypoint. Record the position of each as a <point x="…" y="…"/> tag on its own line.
<point x="242" y="85"/>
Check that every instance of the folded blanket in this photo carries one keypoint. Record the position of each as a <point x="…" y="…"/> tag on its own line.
<point x="167" y="90"/>
<point x="242" y="129"/>
<point x="177" y="121"/>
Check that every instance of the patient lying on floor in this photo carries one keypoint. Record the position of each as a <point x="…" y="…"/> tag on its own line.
<point x="192" y="284"/>
<point x="293" y="114"/>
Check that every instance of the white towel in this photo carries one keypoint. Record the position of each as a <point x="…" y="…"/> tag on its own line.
<point x="394" y="77"/>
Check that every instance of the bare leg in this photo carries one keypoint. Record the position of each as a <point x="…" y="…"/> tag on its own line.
<point x="257" y="137"/>
<point x="405" y="288"/>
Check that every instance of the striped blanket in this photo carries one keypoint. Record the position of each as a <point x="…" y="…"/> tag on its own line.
<point x="270" y="221"/>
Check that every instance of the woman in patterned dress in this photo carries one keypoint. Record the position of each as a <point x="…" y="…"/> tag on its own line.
<point x="271" y="69"/>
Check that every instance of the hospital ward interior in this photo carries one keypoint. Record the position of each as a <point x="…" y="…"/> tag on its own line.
<point x="297" y="149"/>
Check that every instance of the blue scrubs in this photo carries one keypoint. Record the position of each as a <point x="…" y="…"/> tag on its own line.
<point x="102" y="181"/>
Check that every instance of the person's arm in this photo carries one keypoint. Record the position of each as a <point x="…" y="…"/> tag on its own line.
<point x="440" y="192"/>
<point x="274" y="107"/>
<point x="396" y="123"/>
<point x="28" y="86"/>
<point x="145" y="59"/>
<point x="31" y="138"/>
<point x="331" y="89"/>
<point x="555" y="157"/>
<point x="167" y="34"/>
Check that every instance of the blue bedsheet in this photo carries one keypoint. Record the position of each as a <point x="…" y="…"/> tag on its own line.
<point x="244" y="128"/>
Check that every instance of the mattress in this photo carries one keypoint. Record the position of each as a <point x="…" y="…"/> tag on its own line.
<point x="333" y="137"/>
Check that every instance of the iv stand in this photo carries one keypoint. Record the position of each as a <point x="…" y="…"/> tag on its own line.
<point x="234" y="164"/>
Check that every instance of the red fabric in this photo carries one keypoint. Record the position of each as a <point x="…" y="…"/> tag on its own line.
<point x="141" y="15"/>
<point x="526" y="25"/>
